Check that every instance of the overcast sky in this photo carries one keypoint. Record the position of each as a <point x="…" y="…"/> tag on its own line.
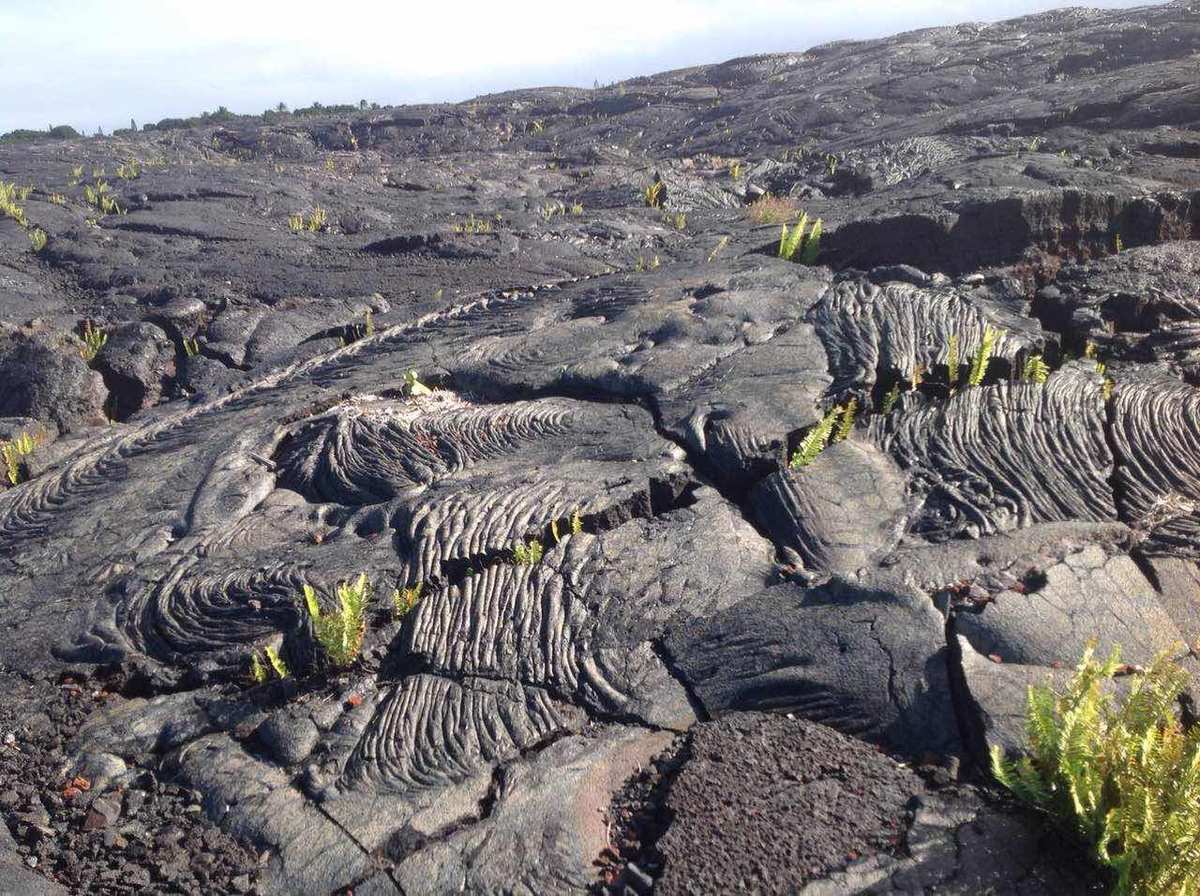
<point x="92" y="63"/>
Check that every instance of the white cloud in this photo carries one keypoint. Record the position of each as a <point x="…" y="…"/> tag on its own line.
<point x="90" y="62"/>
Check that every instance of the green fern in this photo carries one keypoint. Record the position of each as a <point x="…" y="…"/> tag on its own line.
<point x="983" y="356"/>
<point x="800" y="239"/>
<point x="12" y="451"/>
<point x="846" y="421"/>
<point x="576" y="522"/>
<point x="341" y="632"/>
<point x="952" y="361"/>
<point x="528" y="553"/>
<point x="815" y="440"/>
<point x="404" y="599"/>
<point x="277" y="663"/>
<point x="258" y="672"/>
<point x="812" y="245"/>
<point x="1126" y="778"/>
<point x="1036" y="370"/>
<point x="94" y="339"/>
<point x="890" y="399"/>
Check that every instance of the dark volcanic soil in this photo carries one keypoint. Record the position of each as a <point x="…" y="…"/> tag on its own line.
<point x="143" y="835"/>
<point x="210" y="397"/>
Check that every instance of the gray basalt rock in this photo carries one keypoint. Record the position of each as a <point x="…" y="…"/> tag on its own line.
<point x="556" y="424"/>
<point x="48" y="382"/>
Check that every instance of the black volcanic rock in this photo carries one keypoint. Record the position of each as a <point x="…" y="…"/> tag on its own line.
<point x="1002" y="320"/>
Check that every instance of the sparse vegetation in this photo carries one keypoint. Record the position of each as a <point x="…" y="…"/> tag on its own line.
<point x="718" y="248"/>
<point x="1035" y="370"/>
<point x="816" y="439"/>
<point x="642" y="265"/>
<point x="314" y="222"/>
<point x="404" y="599"/>
<point x="846" y="420"/>
<point x="768" y="209"/>
<point x="340" y="632"/>
<point x="37" y="237"/>
<point x="277" y="664"/>
<point x="473" y="225"/>
<point x="97" y="196"/>
<point x="129" y="170"/>
<point x="796" y="241"/>
<point x="983" y="356"/>
<point x="191" y="346"/>
<point x="952" y="362"/>
<point x="94" y="339"/>
<point x="890" y="399"/>
<point x="527" y="553"/>
<point x="576" y="522"/>
<point x="10" y="204"/>
<point x="1122" y="775"/>
<point x="12" y="451"/>
<point x="260" y="672"/>
<point x="653" y="194"/>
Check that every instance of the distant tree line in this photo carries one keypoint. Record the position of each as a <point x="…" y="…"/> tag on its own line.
<point x="55" y="132"/>
<point x="66" y="132"/>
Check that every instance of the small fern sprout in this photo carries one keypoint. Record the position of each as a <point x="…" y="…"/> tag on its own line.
<point x="812" y="245"/>
<point x="37" y="237"/>
<point x="721" y="244"/>
<point x="258" y="672"/>
<point x="191" y="346"/>
<point x="846" y="421"/>
<point x="576" y="522"/>
<point x="795" y="241"/>
<point x="295" y="223"/>
<point x="316" y="220"/>
<point x="918" y="376"/>
<point x="890" y="399"/>
<point x="652" y="195"/>
<point x="527" y="553"/>
<point x="11" y="453"/>
<point x="277" y="664"/>
<point x="554" y="531"/>
<point x="340" y="632"/>
<point x="983" y="356"/>
<point x="1036" y="370"/>
<point x="816" y="439"/>
<point x="94" y="339"/>
<point x="952" y="361"/>
<point x="404" y="599"/>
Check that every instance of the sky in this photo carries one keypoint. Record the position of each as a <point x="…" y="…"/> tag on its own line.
<point x="100" y="63"/>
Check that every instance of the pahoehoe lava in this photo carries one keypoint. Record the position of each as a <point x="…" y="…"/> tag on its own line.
<point x="497" y="338"/>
